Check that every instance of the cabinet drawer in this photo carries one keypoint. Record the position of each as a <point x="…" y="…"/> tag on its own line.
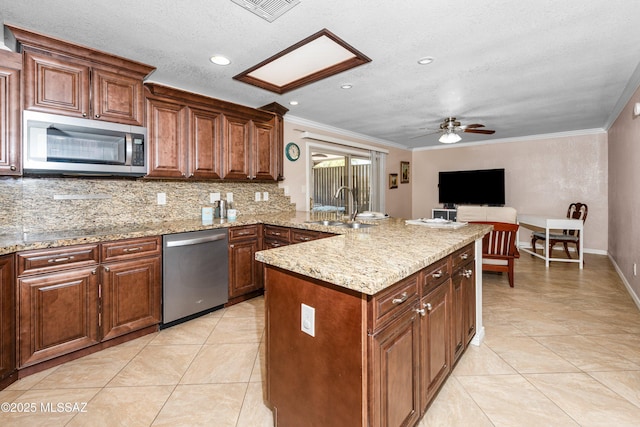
<point x="131" y="248"/>
<point x="270" y="243"/>
<point x="462" y="255"/>
<point x="42" y="261"/>
<point x="299" y="236"/>
<point x="275" y="232"/>
<point x="393" y="301"/>
<point x="244" y="232"/>
<point x="435" y="274"/>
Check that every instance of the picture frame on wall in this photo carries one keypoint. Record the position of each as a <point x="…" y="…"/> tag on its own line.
<point x="393" y="180"/>
<point x="404" y="172"/>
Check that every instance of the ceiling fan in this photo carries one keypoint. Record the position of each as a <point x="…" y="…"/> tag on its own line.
<point x="450" y="128"/>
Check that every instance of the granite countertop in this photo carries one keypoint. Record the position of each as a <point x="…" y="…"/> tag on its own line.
<point x="365" y="260"/>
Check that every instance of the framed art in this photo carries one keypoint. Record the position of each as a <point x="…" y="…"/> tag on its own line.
<point x="404" y="172"/>
<point x="393" y="180"/>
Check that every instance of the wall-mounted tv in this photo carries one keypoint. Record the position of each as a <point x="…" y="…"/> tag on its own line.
<point x="473" y="187"/>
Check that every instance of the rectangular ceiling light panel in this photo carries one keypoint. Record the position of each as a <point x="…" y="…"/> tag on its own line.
<point x="269" y="10"/>
<point x="314" y="58"/>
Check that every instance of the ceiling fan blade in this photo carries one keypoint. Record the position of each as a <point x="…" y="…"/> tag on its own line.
<point x="475" y="125"/>
<point x="483" y="131"/>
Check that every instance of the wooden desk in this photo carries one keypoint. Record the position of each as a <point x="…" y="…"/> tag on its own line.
<point x="547" y="224"/>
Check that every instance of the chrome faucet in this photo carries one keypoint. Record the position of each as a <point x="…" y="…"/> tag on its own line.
<point x="353" y="200"/>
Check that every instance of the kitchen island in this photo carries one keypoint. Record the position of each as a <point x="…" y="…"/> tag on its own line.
<point x="363" y="328"/>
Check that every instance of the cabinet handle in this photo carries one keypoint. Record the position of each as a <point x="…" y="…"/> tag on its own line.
<point x="93" y="272"/>
<point x="107" y="269"/>
<point x="84" y="114"/>
<point x="232" y="246"/>
<point x="276" y="233"/>
<point x="467" y="273"/>
<point x="63" y="259"/>
<point x="12" y="167"/>
<point x="132" y="249"/>
<point x="437" y="275"/>
<point x="97" y="116"/>
<point x="244" y="233"/>
<point x="427" y="306"/>
<point x="304" y="239"/>
<point x="421" y="312"/>
<point x="464" y="256"/>
<point x="248" y="176"/>
<point x="403" y="298"/>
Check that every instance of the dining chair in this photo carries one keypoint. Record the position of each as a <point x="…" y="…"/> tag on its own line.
<point x="575" y="211"/>
<point x="499" y="248"/>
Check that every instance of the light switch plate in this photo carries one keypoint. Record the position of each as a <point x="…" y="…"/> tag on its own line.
<point x="162" y="198"/>
<point x="214" y="197"/>
<point x="308" y="320"/>
<point x="265" y="196"/>
<point x="257" y="196"/>
<point x="229" y="197"/>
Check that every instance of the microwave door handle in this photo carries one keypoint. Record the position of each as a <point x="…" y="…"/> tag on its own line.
<point x="129" y="149"/>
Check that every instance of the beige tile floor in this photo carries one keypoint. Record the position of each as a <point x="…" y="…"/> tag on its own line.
<point x="562" y="348"/>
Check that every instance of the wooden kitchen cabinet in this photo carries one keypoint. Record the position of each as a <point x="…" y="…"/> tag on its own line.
<point x="250" y="147"/>
<point x="184" y="135"/>
<point x="75" y="297"/>
<point x="64" y="78"/>
<point x="276" y="236"/>
<point x="394" y="358"/>
<point x="10" y="92"/>
<point x="462" y="300"/>
<point x="58" y="314"/>
<point x="435" y="331"/>
<point x="8" y="367"/>
<point x="245" y="273"/>
<point x="131" y="286"/>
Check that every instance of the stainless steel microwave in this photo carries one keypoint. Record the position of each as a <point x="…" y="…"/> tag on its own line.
<point x="64" y="145"/>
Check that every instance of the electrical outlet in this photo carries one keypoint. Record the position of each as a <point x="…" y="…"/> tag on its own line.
<point x="229" y="197"/>
<point x="214" y="197"/>
<point x="265" y="196"/>
<point x="162" y="198"/>
<point x="308" y="320"/>
<point x="257" y="196"/>
<point x="286" y="190"/>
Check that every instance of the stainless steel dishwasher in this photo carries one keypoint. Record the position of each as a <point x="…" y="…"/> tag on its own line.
<point x="195" y="274"/>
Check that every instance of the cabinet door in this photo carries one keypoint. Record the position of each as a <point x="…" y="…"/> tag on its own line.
<point x="10" y="65"/>
<point x="469" y="289"/>
<point x="245" y="274"/>
<point x="54" y="85"/>
<point x="117" y="98"/>
<point x="264" y="150"/>
<point x="236" y="148"/>
<point x="131" y="296"/>
<point x="395" y="391"/>
<point x="204" y="144"/>
<point x="435" y="329"/>
<point x="7" y="318"/>
<point x="457" y="315"/>
<point x="167" y="139"/>
<point x="58" y="314"/>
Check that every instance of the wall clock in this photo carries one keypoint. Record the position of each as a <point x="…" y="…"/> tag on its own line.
<point x="292" y="151"/>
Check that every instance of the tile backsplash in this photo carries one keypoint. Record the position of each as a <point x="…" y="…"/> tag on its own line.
<point x="34" y="205"/>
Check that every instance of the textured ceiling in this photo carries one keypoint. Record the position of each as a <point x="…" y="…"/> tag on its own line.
<point x="521" y="68"/>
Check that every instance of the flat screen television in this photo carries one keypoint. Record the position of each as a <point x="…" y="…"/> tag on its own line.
<point x="473" y="187"/>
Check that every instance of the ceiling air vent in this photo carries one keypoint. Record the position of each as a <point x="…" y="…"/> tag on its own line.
<point x="269" y="10"/>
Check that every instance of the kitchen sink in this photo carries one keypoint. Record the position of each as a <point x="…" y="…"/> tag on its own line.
<point x="342" y="224"/>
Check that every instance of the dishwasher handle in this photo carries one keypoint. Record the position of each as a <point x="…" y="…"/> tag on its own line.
<point x="195" y="241"/>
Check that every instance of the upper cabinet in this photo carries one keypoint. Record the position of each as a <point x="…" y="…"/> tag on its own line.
<point x="63" y="78"/>
<point x="193" y="136"/>
<point x="10" y="66"/>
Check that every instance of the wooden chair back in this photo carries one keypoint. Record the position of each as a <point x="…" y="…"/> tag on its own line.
<point x="500" y="244"/>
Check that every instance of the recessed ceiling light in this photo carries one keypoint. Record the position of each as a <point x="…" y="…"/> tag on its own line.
<point x="293" y="102"/>
<point x="220" y="60"/>
<point x="426" y="60"/>
<point x="346" y="86"/>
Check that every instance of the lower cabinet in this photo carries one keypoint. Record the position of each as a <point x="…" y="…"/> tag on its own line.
<point x="245" y="273"/>
<point x="8" y="366"/>
<point x="463" y="305"/>
<point x="68" y="300"/>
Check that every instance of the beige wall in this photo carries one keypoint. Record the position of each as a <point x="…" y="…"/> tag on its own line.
<point x="624" y="196"/>
<point x="398" y="201"/>
<point x="542" y="176"/>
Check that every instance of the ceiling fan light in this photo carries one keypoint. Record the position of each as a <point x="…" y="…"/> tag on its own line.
<point x="449" y="138"/>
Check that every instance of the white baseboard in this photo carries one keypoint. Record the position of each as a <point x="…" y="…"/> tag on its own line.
<point x="627" y="285"/>
<point x="571" y="249"/>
